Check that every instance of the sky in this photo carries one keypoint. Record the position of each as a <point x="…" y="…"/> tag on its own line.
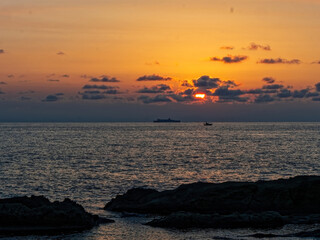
<point x="138" y="60"/>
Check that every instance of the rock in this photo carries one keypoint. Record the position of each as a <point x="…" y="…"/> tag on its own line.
<point x="298" y="195"/>
<point x="261" y="204"/>
<point x="36" y="214"/>
<point x="184" y="220"/>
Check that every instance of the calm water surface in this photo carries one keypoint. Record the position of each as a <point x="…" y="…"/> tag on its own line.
<point x="93" y="162"/>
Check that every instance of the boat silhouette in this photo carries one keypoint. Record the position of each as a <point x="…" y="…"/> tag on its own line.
<point x="166" y="120"/>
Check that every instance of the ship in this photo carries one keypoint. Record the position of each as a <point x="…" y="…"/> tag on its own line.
<point x="169" y="120"/>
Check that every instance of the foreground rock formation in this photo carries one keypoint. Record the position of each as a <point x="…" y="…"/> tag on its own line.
<point x="231" y="204"/>
<point x="25" y="215"/>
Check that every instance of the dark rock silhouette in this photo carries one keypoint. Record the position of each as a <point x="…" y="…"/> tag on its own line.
<point x="36" y="214"/>
<point x="230" y="204"/>
<point x="184" y="220"/>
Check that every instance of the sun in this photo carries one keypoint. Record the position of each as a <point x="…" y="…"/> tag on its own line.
<point x="200" y="95"/>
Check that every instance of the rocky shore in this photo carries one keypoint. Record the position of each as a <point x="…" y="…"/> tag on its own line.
<point x="261" y="204"/>
<point x="37" y="215"/>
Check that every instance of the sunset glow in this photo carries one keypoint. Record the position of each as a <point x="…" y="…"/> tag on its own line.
<point x="200" y="95"/>
<point x="154" y="53"/>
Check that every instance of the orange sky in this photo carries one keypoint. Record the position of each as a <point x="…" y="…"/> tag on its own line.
<point x="127" y="39"/>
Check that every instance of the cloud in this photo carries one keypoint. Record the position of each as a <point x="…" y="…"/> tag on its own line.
<point x="153" y="78"/>
<point x="1" y="92"/>
<point x="269" y="80"/>
<point x="104" y="79"/>
<point x="300" y="93"/>
<point x="230" y="59"/>
<point x="227" y="48"/>
<point x="179" y="98"/>
<point x="3" y="83"/>
<point x="53" y="97"/>
<point x="272" y="86"/>
<point x="226" y="99"/>
<point x="312" y="94"/>
<point x="53" y="80"/>
<point x="1" y="51"/>
<point x="316" y="99"/>
<point x="160" y="88"/>
<point x="279" y="61"/>
<point x="65" y="76"/>
<point x="156" y="99"/>
<point x="318" y="86"/>
<point x="264" y="99"/>
<point x="205" y="82"/>
<point x="254" y="46"/>
<point x="61" y="53"/>
<point x="50" y="98"/>
<point x="189" y="92"/>
<point x="316" y="62"/>
<point x="112" y="91"/>
<point x="93" y="97"/>
<point x="103" y="87"/>
<point x="186" y="84"/>
<point x="230" y="83"/>
<point x="284" y="93"/>
<point x="10" y="76"/>
<point x="254" y="91"/>
<point x="224" y="91"/>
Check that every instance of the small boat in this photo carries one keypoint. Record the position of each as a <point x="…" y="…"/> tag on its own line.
<point x="207" y="124"/>
<point x="166" y="120"/>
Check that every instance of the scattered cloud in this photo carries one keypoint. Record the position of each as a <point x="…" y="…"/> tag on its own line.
<point x="65" y="76"/>
<point x="272" y="86"/>
<point x="269" y="80"/>
<point x="153" y="77"/>
<point x="318" y="86"/>
<point x="161" y="88"/>
<point x="92" y="96"/>
<point x="264" y="99"/>
<point x="230" y="83"/>
<point x="278" y="61"/>
<point x="112" y="91"/>
<point x="156" y="99"/>
<point x="50" y="98"/>
<point x="1" y="51"/>
<point x="284" y="93"/>
<point x="205" y="82"/>
<point x="103" y="87"/>
<point x="227" y="48"/>
<point x="230" y="59"/>
<point x="254" y="46"/>
<point x="312" y="94"/>
<point x="104" y="79"/>
<point x="3" y="83"/>
<point x="186" y="84"/>
<point x="61" y="53"/>
<point x="224" y="91"/>
<point x="316" y="62"/>
<point x="10" y="76"/>
<point x="1" y="92"/>
<point x="53" y="80"/>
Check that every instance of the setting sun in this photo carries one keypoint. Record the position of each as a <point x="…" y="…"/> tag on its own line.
<point x="200" y="95"/>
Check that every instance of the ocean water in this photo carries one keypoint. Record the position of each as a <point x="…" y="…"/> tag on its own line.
<point x="93" y="162"/>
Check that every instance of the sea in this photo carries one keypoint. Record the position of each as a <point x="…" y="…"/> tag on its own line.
<point x="91" y="163"/>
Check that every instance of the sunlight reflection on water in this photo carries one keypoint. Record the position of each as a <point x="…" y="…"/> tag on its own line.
<point x="92" y="162"/>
